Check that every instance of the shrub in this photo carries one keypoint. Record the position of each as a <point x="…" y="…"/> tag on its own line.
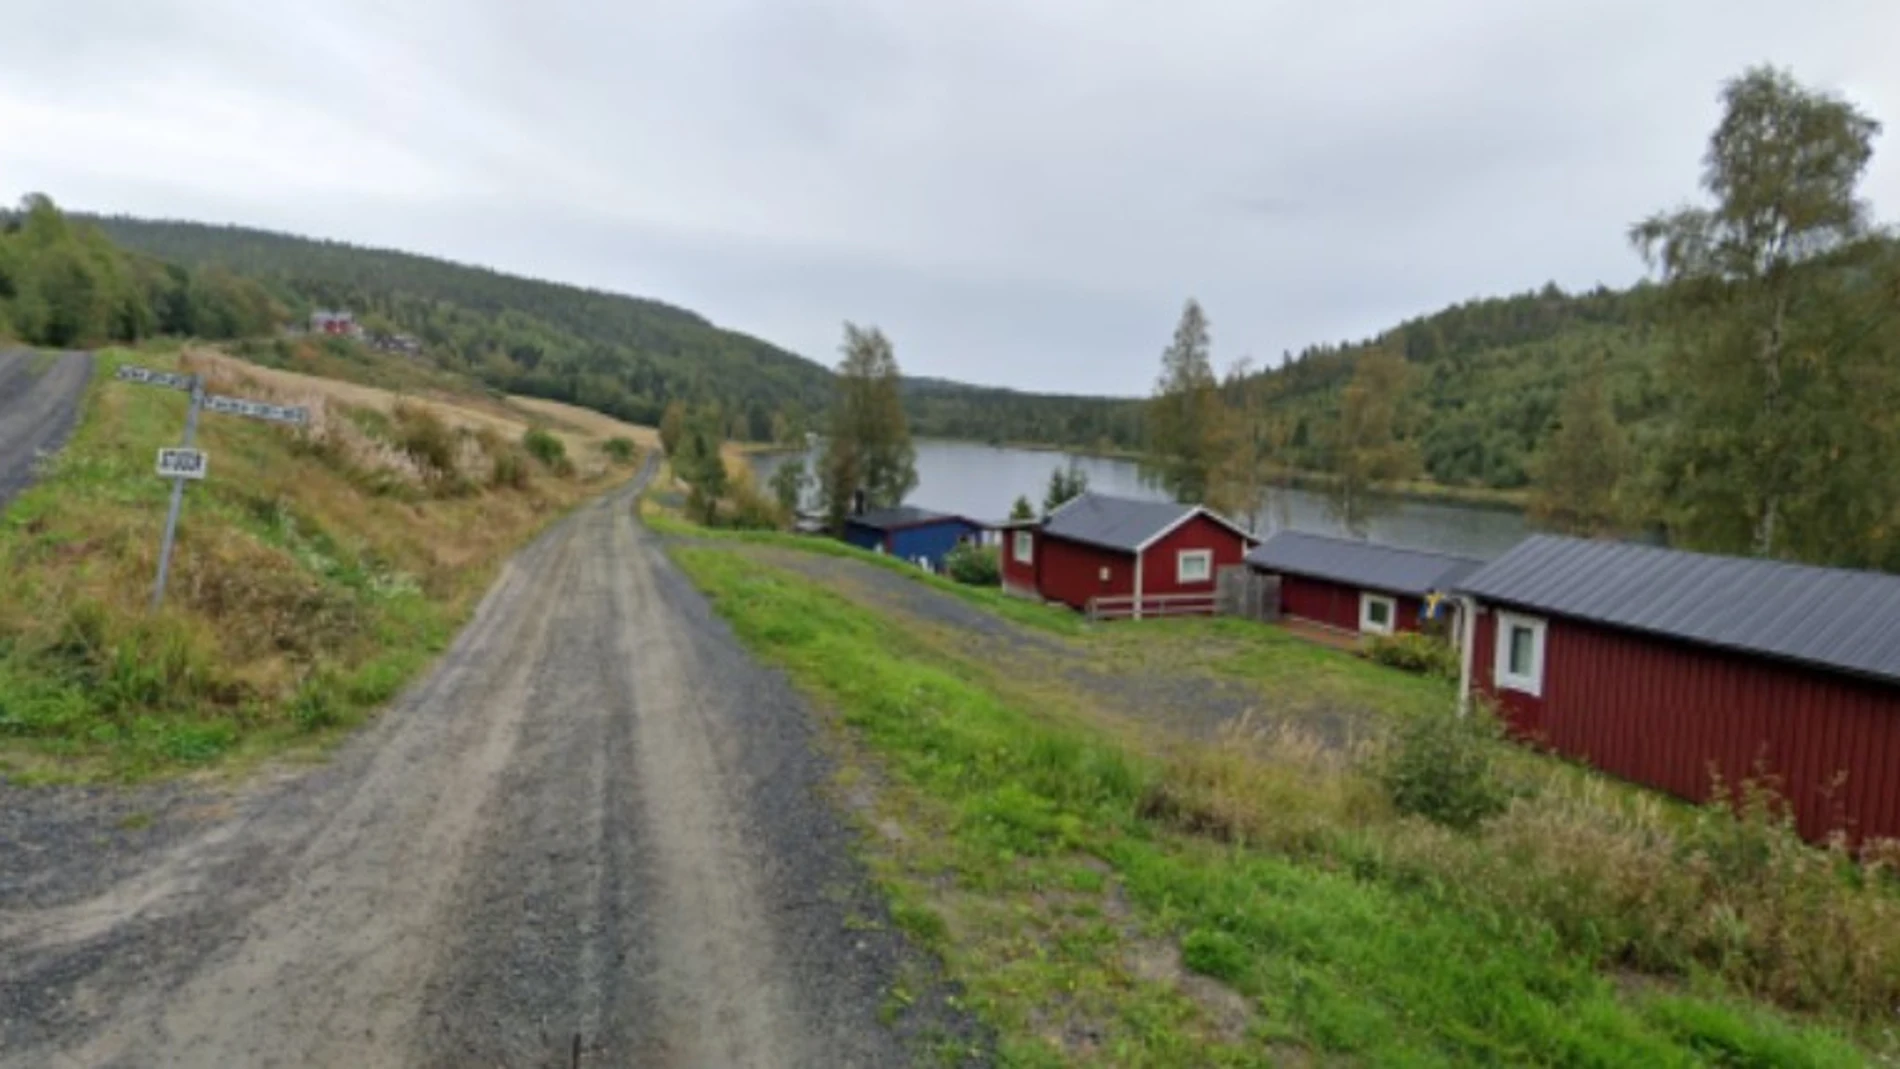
<point x="1413" y="652"/>
<point x="1444" y="767"/>
<point x="973" y="564"/>
<point x="422" y="434"/>
<point x="747" y="509"/>
<point x="546" y="448"/>
<point x="510" y="470"/>
<point x="620" y="450"/>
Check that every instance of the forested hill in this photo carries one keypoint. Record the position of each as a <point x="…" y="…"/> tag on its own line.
<point x="1488" y="373"/>
<point x="627" y="356"/>
<point x="623" y="355"/>
<point x="1487" y="377"/>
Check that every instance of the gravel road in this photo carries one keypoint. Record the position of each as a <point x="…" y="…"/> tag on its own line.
<point x="39" y="400"/>
<point x="594" y="835"/>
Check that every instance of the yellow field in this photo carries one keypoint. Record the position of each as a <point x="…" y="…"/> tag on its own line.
<point x="582" y="429"/>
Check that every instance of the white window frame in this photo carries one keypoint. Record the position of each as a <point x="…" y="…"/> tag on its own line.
<point x="1022" y="548"/>
<point x="1532" y="682"/>
<point x="1206" y="559"/>
<point x="1370" y="626"/>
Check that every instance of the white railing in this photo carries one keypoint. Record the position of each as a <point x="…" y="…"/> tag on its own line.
<point x="1122" y="606"/>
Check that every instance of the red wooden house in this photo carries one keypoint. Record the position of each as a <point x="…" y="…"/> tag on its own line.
<point x="1348" y="585"/>
<point x="1116" y="556"/>
<point x="1670" y="668"/>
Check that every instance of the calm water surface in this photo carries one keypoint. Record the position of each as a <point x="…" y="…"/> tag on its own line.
<point x="981" y="482"/>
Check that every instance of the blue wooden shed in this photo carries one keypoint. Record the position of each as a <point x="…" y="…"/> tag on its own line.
<point x="919" y="536"/>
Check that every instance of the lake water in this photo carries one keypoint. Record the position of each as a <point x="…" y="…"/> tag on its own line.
<point x="982" y="481"/>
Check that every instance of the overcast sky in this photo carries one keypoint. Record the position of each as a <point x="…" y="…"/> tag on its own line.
<point x="1018" y="193"/>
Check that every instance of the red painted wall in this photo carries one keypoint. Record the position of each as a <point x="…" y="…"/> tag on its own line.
<point x="1069" y="572"/>
<point x="1660" y="712"/>
<point x="1160" y="564"/>
<point x="1336" y="604"/>
<point x="1020" y="578"/>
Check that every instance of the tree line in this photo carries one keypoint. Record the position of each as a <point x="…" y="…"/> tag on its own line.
<point x="63" y="283"/>
<point x="1742" y="402"/>
<point x="626" y="356"/>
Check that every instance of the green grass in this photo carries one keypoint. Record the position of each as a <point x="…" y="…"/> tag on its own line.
<point x="1016" y="610"/>
<point x="1026" y="860"/>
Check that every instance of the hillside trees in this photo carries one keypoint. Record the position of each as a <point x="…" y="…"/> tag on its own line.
<point x="1066" y="483"/>
<point x="868" y="449"/>
<point x="788" y="484"/>
<point x="1251" y="441"/>
<point x="1370" y="443"/>
<point x="1581" y="468"/>
<point x="1184" y="416"/>
<point x="1760" y="363"/>
<point x="698" y="462"/>
<point x="63" y="283"/>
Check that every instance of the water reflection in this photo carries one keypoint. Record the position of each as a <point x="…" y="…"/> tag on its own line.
<point x="982" y="481"/>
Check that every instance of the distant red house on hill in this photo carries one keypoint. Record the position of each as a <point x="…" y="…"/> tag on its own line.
<point x="1114" y="556"/>
<point x="1670" y="668"/>
<point x="337" y="322"/>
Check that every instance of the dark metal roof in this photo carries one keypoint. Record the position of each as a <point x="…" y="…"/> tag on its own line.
<point x="1831" y="617"/>
<point x="901" y="516"/>
<point x="1362" y="564"/>
<point x="1114" y="522"/>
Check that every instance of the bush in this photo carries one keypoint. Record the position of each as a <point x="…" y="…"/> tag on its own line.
<point x="1414" y="652"/>
<point x="547" y="449"/>
<point x="973" y="564"/>
<point x="620" y="450"/>
<point x="510" y="470"/>
<point x="422" y="434"/>
<point x="1443" y="767"/>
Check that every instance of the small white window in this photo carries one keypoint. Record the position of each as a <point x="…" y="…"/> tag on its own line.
<point x="1104" y="573"/>
<point x="1378" y="614"/>
<point x="1520" y="654"/>
<point x="1194" y="566"/>
<point x="1024" y="549"/>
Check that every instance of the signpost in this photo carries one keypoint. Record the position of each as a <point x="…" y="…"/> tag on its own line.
<point x="186" y="464"/>
<point x="181" y="464"/>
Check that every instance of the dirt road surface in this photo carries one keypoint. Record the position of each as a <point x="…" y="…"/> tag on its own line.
<point x="39" y="400"/>
<point x="594" y="828"/>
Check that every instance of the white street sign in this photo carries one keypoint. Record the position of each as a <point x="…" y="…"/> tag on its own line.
<point x="237" y="406"/>
<point x="181" y="463"/>
<point x="169" y="380"/>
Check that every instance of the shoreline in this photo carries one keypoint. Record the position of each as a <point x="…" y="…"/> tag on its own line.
<point x="1316" y="482"/>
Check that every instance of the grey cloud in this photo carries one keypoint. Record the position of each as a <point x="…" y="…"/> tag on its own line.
<point x="1019" y="193"/>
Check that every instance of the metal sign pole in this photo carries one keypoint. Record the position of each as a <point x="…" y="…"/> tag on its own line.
<point x="178" y="495"/>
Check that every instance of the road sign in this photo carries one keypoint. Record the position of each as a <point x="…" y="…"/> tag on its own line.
<point x="181" y="463"/>
<point x="185" y="463"/>
<point x="170" y="380"/>
<point x="237" y="406"/>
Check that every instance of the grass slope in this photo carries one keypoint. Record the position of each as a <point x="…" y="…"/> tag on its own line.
<point x="316" y="572"/>
<point x="1105" y="901"/>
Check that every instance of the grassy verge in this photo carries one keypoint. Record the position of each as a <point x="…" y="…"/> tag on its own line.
<point x="316" y="572"/>
<point x="666" y="520"/>
<point x="1251" y="903"/>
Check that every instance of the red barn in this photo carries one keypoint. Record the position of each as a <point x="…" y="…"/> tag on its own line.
<point x="1664" y="667"/>
<point x="1354" y="586"/>
<point x="1116" y="556"/>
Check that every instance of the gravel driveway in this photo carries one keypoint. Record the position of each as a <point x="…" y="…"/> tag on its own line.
<point x="1191" y="703"/>
<point x="596" y="827"/>
<point x="39" y="401"/>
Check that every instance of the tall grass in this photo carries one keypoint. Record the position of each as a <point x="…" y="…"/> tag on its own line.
<point x="315" y="572"/>
<point x="1279" y="867"/>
